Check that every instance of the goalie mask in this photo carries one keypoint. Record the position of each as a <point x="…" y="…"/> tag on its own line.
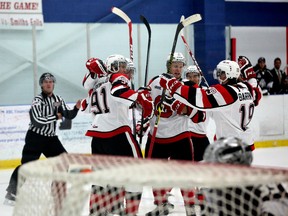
<point x="46" y="76"/>
<point x="230" y="150"/>
<point x="115" y="62"/>
<point x="229" y="68"/>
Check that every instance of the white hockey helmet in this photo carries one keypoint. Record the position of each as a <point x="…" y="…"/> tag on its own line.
<point x="46" y="76"/>
<point x="230" y="68"/>
<point x="230" y="150"/>
<point x="177" y="57"/>
<point x="192" y="69"/>
<point x="113" y="63"/>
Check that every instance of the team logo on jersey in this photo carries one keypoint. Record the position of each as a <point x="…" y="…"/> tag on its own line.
<point x="211" y="91"/>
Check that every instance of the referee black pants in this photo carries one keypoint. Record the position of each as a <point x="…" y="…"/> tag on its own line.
<point x="35" y="145"/>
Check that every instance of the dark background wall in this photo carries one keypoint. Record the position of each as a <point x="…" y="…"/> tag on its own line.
<point x="209" y="33"/>
<point x="165" y="11"/>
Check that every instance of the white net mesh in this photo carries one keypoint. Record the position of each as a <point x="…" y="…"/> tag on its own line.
<point x="74" y="184"/>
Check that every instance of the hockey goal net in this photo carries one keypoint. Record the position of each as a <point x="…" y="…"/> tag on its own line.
<point x="76" y="184"/>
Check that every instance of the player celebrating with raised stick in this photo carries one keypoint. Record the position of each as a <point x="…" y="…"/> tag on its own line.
<point x="231" y="102"/>
<point x="173" y="138"/>
<point x="110" y="100"/>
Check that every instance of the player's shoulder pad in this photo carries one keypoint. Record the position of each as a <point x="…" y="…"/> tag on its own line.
<point x="154" y="78"/>
<point x="119" y="78"/>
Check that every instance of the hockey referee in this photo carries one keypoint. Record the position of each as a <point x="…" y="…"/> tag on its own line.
<point x="41" y="137"/>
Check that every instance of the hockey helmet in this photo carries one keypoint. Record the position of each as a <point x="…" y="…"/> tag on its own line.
<point x="192" y="69"/>
<point x="177" y="57"/>
<point x="230" y="68"/>
<point x="46" y="76"/>
<point x="230" y="150"/>
<point x="114" y="62"/>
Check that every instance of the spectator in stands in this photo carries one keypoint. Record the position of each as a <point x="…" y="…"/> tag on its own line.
<point x="263" y="76"/>
<point x="278" y="77"/>
<point x="284" y="88"/>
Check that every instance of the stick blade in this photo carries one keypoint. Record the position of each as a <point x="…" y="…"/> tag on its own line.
<point x="121" y="14"/>
<point x="191" y="19"/>
<point x="146" y="23"/>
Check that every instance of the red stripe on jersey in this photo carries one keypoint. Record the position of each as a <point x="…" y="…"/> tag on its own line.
<point x="195" y="118"/>
<point x="197" y="135"/>
<point x="127" y="94"/>
<point x="185" y="92"/>
<point x="115" y="76"/>
<point x="205" y="99"/>
<point x="225" y="93"/>
<point x="108" y="134"/>
<point x="84" y="80"/>
<point x="135" y="145"/>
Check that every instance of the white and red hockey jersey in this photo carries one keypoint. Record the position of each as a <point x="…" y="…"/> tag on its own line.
<point x="171" y="126"/>
<point x="231" y="107"/>
<point x="198" y="127"/>
<point x="110" y="102"/>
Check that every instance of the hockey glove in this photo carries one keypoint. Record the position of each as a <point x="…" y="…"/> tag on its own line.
<point x="84" y="104"/>
<point x="174" y="104"/>
<point x="169" y="82"/>
<point x="145" y="91"/>
<point x="144" y="129"/>
<point x="145" y="100"/>
<point x="96" y="66"/>
<point x="257" y="95"/>
<point x="246" y="68"/>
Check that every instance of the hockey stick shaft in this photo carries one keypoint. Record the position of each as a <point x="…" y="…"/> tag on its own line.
<point x="192" y="19"/>
<point x="146" y="23"/>
<point x="126" y="18"/>
<point x="191" y="55"/>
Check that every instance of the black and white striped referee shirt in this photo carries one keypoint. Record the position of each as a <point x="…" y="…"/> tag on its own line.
<point x="43" y="113"/>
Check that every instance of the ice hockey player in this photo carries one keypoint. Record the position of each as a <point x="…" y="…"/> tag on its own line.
<point x="231" y="102"/>
<point x="110" y="100"/>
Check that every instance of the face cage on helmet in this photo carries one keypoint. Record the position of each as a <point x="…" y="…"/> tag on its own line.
<point x="131" y="70"/>
<point x="217" y="73"/>
<point x="241" y="155"/>
<point x="115" y="66"/>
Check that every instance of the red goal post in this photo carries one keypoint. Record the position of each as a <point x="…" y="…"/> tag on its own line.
<point x="62" y="185"/>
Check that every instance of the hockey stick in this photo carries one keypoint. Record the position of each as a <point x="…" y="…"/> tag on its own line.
<point x="191" y="19"/>
<point x="125" y="17"/>
<point x="146" y="23"/>
<point x="191" y="54"/>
